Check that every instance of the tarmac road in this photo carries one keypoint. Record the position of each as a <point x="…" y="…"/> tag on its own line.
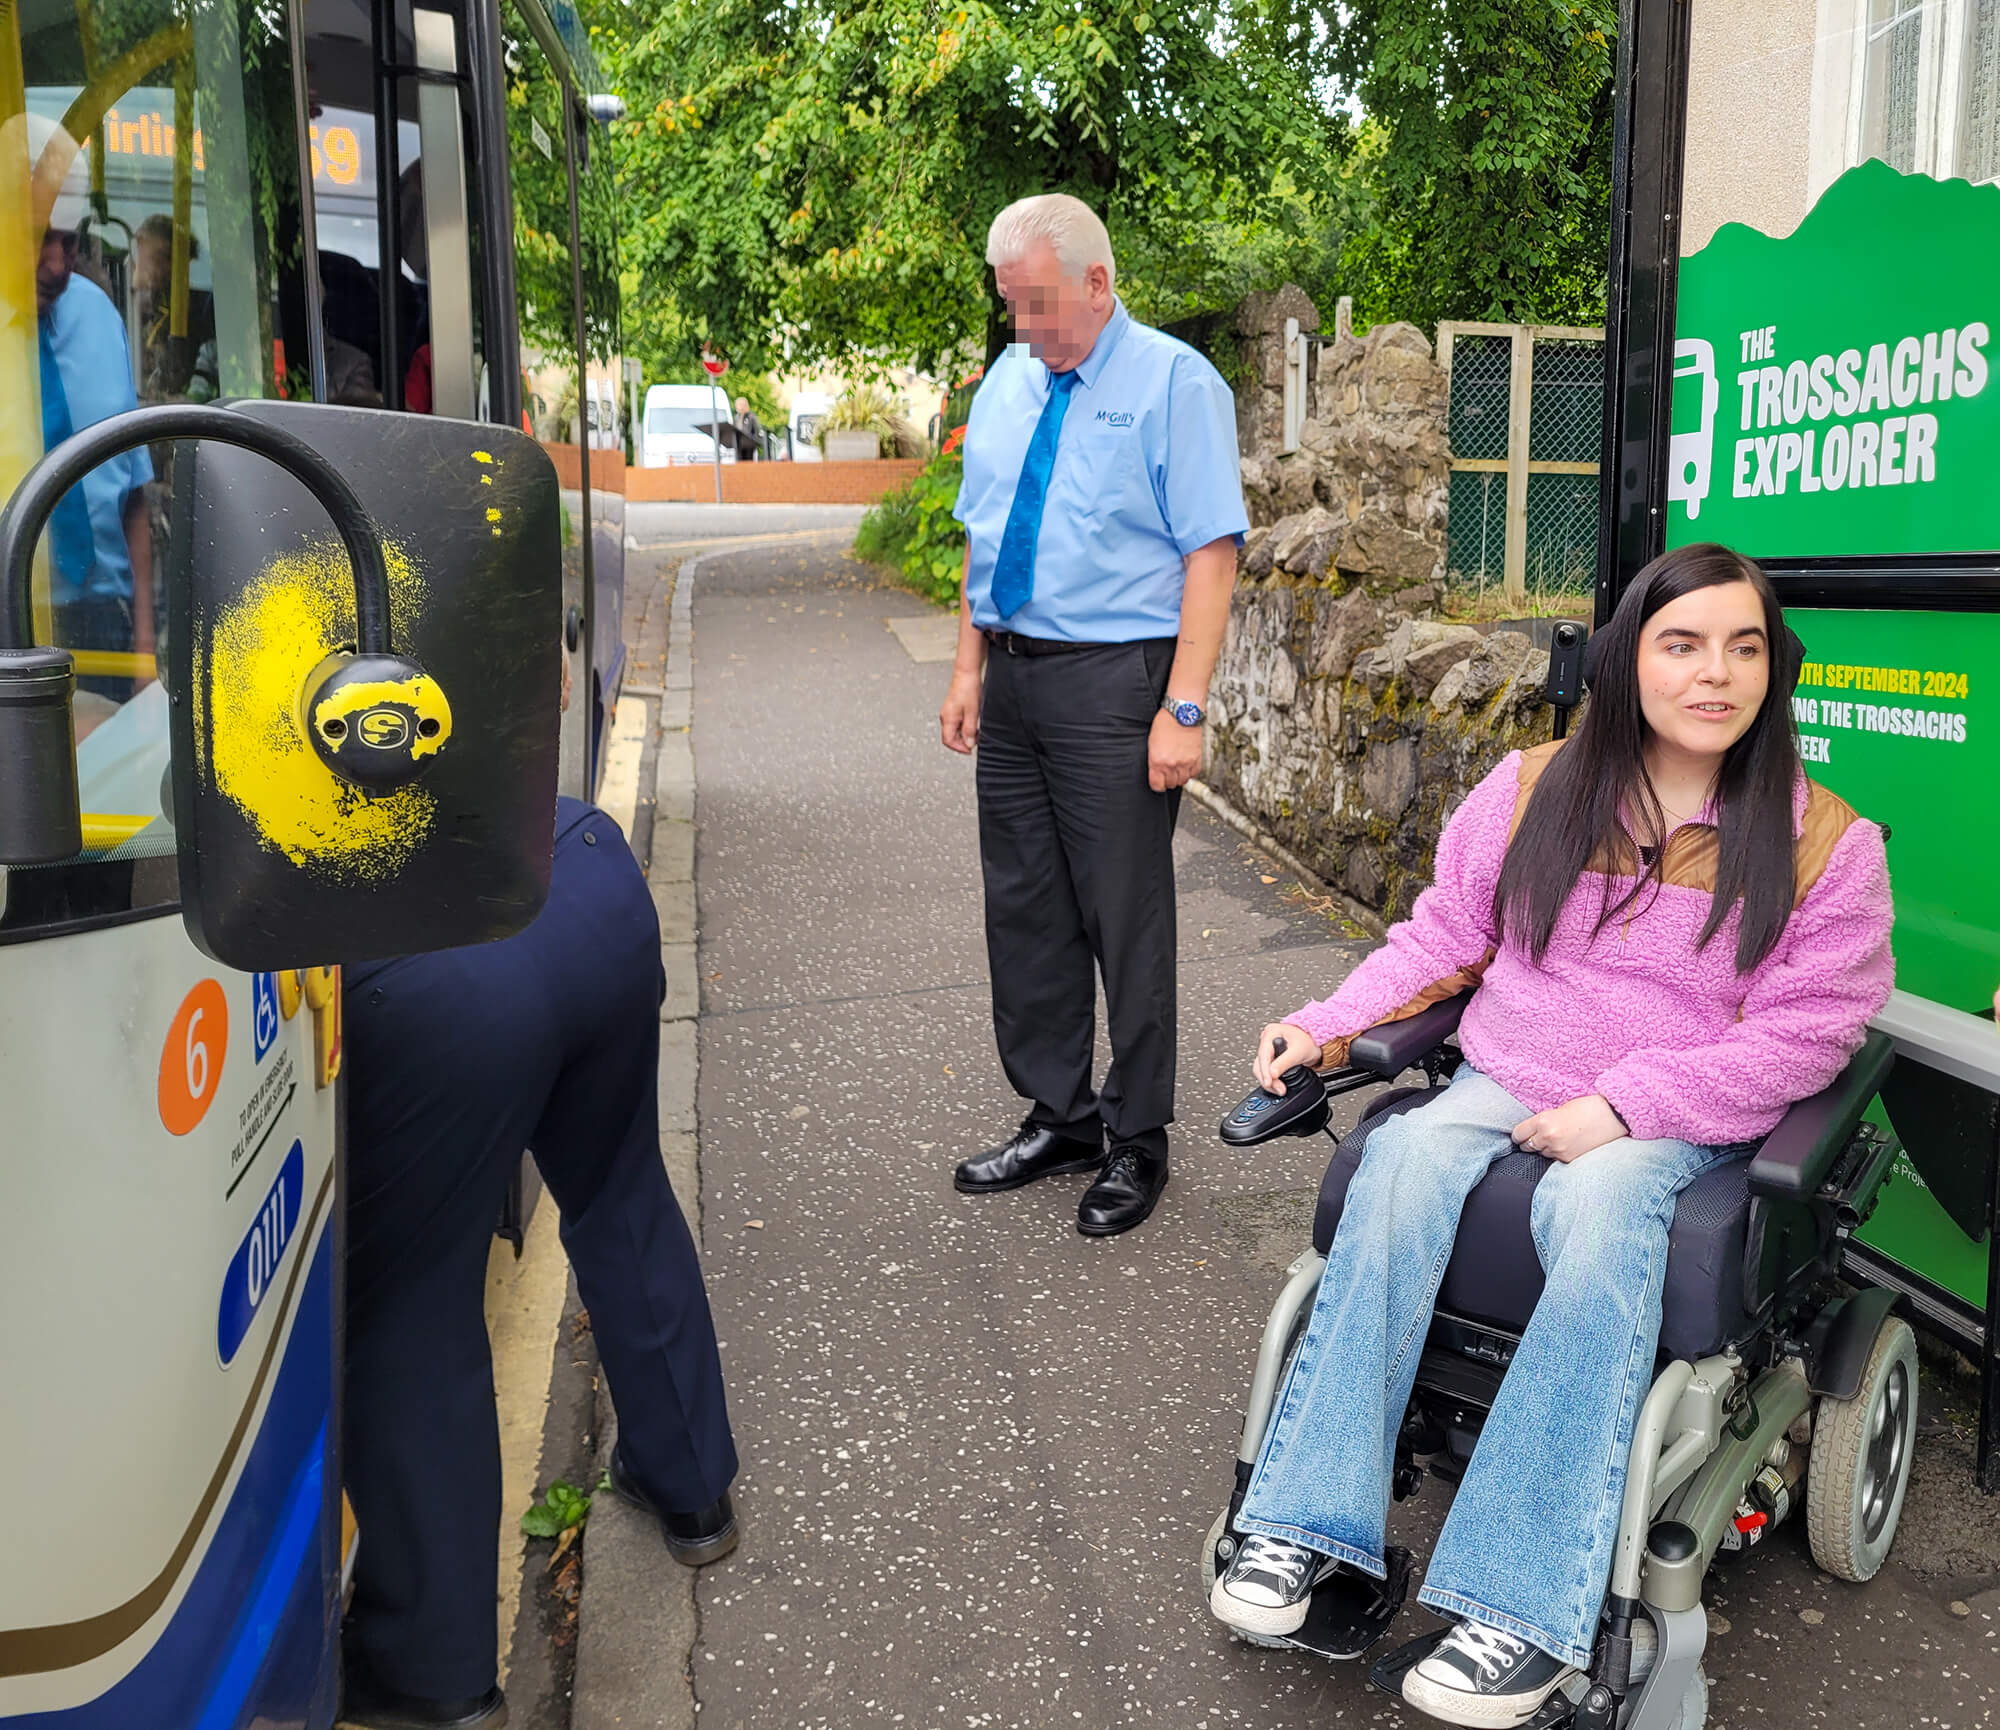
<point x="980" y="1451"/>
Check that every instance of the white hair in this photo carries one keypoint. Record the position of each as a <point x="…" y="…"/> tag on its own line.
<point x="1070" y="226"/>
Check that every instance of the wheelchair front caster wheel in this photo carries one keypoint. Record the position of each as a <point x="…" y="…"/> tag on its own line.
<point x="1860" y="1463"/>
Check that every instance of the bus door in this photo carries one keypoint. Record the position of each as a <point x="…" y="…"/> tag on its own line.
<point x="485" y="305"/>
<point x="167" y="1126"/>
<point x="565" y="285"/>
<point x="1804" y="311"/>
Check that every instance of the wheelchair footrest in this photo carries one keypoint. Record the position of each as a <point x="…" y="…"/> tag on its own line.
<point x="1557" y="1712"/>
<point x="1350" y="1612"/>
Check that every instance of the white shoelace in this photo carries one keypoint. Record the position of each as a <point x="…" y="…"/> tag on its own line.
<point x="1486" y="1647"/>
<point x="1289" y="1562"/>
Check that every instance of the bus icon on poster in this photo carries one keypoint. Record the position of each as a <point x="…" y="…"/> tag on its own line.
<point x="1690" y="455"/>
<point x="264" y="1011"/>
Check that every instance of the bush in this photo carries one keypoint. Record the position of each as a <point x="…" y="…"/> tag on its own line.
<point x="867" y="408"/>
<point x="913" y="529"/>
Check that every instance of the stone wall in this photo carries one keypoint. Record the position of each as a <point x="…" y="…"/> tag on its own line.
<point x="1346" y="720"/>
<point x="1348" y="727"/>
<point x="1369" y="489"/>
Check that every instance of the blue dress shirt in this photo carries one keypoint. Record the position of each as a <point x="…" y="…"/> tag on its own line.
<point x="95" y="364"/>
<point x="1145" y="472"/>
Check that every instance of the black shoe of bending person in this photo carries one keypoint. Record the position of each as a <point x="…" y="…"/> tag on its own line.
<point x="1484" y="1679"/>
<point x="706" y="1535"/>
<point x="1129" y="1187"/>
<point x="1031" y="1152"/>
<point x="365" y="1706"/>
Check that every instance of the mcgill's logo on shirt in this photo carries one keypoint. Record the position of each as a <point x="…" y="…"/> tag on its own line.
<point x="1116" y="416"/>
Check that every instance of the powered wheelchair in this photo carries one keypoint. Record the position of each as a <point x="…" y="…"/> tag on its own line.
<point x="1772" y="1386"/>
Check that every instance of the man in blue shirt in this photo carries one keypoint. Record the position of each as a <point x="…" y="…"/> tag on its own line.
<point x="100" y="538"/>
<point x="1102" y="509"/>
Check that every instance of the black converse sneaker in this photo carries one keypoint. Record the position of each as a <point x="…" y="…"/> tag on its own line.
<point x="1265" y="1588"/>
<point x="1485" y="1679"/>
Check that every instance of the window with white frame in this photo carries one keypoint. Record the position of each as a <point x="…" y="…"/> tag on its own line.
<point x="1924" y="90"/>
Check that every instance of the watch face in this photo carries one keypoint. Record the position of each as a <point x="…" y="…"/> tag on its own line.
<point x="1188" y="714"/>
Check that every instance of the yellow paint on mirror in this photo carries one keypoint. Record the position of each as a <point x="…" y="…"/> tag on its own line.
<point x="258" y="655"/>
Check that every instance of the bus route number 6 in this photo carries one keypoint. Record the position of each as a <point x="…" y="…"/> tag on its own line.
<point x="191" y="1060"/>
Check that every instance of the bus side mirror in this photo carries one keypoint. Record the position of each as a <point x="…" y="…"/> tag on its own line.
<point x="336" y="801"/>
<point x="361" y="670"/>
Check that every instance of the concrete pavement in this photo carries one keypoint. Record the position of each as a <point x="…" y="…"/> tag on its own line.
<point x="980" y="1451"/>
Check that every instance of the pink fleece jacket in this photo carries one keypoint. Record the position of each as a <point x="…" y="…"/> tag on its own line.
<point x="1682" y="1045"/>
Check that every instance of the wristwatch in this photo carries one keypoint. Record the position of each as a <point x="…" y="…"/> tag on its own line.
<point x="1188" y="714"/>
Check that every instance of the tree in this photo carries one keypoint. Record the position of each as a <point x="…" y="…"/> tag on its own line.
<point x="1485" y="157"/>
<point x="816" y="177"/>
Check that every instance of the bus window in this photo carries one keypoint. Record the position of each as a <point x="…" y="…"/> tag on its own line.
<point x="154" y="171"/>
<point x="553" y="389"/>
<point x="598" y="256"/>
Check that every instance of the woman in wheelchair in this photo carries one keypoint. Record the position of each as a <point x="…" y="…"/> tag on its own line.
<point x="1674" y="936"/>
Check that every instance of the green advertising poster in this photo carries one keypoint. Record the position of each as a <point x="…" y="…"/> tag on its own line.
<point x="1833" y="399"/>
<point x="1899" y="713"/>
<point x="1833" y="395"/>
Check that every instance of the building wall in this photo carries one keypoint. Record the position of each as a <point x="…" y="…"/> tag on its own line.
<point x="771" y="483"/>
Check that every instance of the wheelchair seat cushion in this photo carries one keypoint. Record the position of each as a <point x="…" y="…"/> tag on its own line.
<point x="1495" y="1278"/>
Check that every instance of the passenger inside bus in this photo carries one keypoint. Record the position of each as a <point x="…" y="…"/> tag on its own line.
<point x="101" y="575"/>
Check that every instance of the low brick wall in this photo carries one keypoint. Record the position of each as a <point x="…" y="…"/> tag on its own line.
<point x="772" y="483"/>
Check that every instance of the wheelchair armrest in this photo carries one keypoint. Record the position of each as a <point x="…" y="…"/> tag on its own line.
<point x="1799" y="1155"/>
<point x="1390" y="1047"/>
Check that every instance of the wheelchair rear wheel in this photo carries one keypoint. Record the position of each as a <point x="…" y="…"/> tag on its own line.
<point x="1860" y="1465"/>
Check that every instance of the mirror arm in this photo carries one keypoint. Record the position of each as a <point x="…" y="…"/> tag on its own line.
<point x="22" y="520"/>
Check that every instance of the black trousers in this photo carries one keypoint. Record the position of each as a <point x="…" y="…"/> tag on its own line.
<point x="1077" y="852"/>
<point x="455" y="1063"/>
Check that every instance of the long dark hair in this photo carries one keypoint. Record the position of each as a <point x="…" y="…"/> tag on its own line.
<point x="1597" y="784"/>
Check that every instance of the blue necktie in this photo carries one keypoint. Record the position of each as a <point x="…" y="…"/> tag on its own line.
<point x="1014" y="569"/>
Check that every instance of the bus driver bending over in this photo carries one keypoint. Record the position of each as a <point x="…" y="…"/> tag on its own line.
<point x="1675" y="935"/>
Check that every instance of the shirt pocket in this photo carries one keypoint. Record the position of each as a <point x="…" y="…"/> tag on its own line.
<point x="1114" y="502"/>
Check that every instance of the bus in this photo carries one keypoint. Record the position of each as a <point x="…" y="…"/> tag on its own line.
<point x="1804" y="299"/>
<point x="342" y="215"/>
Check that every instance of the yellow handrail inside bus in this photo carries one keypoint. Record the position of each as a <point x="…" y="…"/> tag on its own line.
<point x="103" y="830"/>
<point x="114" y="664"/>
<point x="86" y="112"/>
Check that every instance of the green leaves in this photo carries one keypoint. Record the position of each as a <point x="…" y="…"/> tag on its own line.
<point x="913" y="530"/>
<point x="833" y="208"/>
<point x="562" y="1509"/>
<point x="1487" y="178"/>
<point x="812" y="184"/>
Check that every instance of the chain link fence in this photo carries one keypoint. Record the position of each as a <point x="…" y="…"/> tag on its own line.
<point x="1525" y="424"/>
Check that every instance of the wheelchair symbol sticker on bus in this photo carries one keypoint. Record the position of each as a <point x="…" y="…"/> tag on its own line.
<point x="191" y="1059"/>
<point x="264" y="1012"/>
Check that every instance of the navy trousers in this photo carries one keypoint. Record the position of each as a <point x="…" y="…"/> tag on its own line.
<point x="456" y="1062"/>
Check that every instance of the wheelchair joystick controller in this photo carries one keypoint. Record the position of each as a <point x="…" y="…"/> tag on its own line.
<point x="1302" y="1109"/>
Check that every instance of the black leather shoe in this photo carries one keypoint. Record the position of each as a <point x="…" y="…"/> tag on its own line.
<point x="696" y="1539"/>
<point x="364" y="1706"/>
<point x="1128" y="1189"/>
<point x="1032" y="1152"/>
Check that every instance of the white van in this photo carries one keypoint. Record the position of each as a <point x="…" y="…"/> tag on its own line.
<point x="808" y="409"/>
<point x="673" y="412"/>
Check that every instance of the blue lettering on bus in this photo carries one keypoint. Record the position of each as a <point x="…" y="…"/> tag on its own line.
<point x="254" y="1268"/>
